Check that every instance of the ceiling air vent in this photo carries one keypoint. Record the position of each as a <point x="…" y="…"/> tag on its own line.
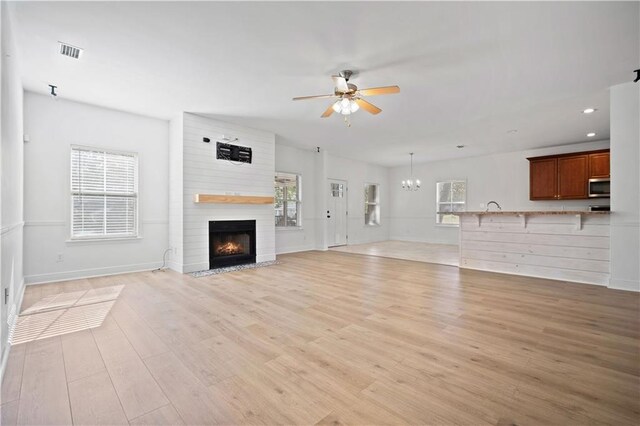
<point x="69" y="50"/>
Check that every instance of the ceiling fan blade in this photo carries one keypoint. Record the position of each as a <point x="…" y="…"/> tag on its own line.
<point x="368" y="107"/>
<point x="301" y="98"/>
<point x="340" y="83"/>
<point x="386" y="90"/>
<point x="328" y="112"/>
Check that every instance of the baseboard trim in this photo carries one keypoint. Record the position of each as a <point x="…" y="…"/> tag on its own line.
<point x="422" y="240"/>
<point x="90" y="273"/>
<point x="620" y="284"/>
<point x="5" y="355"/>
<point x="174" y="266"/>
<point x="295" y="250"/>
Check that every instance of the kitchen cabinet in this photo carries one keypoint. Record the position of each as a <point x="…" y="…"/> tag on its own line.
<point x="543" y="179"/>
<point x="566" y="176"/>
<point x="599" y="165"/>
<point x="573" y="177"/>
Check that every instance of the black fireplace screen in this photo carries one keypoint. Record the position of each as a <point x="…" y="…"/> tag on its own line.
<point x="232" y="242"/>
<point x="229" y="244"/>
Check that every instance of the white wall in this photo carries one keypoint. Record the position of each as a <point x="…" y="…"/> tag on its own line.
<point x="11" y="185"/>
<point x="357" y="173"/>
<point x="303" y="162"/>
<point x="176" y="192"/>
<point x="205" y="175"/>
<point x="55" y="125"/>
<point x="500" y="177"/>
<point x="625" y="186"/>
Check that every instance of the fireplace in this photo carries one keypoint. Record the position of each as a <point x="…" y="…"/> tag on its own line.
<point x="231" y="242"/>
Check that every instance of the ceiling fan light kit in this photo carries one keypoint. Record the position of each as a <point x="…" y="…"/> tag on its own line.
<point x="345" y="106"/>
<point x="350" y="97"/>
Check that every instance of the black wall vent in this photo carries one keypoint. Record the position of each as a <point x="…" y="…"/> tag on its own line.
<point x="225" y="151"/>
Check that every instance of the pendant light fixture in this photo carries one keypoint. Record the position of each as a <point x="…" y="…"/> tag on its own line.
<point x="411" y="184"/>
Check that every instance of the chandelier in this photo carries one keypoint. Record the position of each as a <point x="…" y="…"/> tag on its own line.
<point x="410" y="184"/>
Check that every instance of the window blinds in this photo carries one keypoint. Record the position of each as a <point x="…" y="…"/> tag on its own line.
<point x="104" y="193"/>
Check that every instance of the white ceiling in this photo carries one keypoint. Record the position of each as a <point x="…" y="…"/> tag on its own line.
<point x="468" y="72"/>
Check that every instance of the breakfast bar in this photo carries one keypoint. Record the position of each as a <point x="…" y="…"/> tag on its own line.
<point x="560" y="245"/>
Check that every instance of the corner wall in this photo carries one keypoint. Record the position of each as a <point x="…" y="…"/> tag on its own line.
<point x="301" y="162"/>
<point x="625" y="186"/>
<point x="55" y="125"/>
<point x="357" y="173"/>
<point x="176" y="211"/>
<point x="11" y="182"/>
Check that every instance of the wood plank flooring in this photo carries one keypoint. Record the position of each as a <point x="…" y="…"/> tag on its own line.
<point x="443" y="254"/>
<point x="329" y="338"/>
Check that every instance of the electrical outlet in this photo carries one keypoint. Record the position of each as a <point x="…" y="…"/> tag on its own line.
<point x="483" y="206"/>
<point x="60" y="258"/>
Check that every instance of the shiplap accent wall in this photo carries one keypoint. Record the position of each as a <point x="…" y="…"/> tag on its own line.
<point x="202" y="173"/>
<point x="547" y="246"/>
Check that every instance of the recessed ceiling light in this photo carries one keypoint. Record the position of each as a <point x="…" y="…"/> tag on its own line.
<point x="590" y="135"/>
<point x="512" y="131"/>
<point x="588" y="110"/>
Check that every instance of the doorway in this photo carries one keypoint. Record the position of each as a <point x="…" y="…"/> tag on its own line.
<point x="337" y="213"/>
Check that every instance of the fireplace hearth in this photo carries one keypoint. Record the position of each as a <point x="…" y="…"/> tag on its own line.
<point x="231" y="243"/>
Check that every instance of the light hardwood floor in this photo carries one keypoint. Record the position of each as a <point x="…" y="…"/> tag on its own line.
<point x="443" y="254"/>
<point x="327" y="338"/>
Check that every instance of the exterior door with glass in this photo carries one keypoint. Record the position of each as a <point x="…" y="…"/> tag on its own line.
<point x="337" y="213"/>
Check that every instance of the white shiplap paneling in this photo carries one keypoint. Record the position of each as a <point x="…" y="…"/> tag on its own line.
<point x="560" y="247"/>
<point x="202" y="173"/>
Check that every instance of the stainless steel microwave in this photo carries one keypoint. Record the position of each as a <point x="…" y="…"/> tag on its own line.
<point x="600" y="188"/>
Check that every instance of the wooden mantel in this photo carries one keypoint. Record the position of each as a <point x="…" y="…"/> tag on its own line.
<point x="231" y="199"/>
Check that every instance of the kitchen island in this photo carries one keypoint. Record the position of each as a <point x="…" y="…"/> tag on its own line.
<point x="560" y="245"/>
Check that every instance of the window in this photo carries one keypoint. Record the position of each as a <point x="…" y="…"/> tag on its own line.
<point x="288" y="200"/>
<point x="337" y="190"/>
<point x="371" y="204"/>
<point x="451" y="197"/>
<point x="104" y="193"/>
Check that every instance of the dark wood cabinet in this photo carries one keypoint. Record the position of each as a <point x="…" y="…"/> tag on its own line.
<point x="573" y="177"/>
<point x="599" y="165"/>
<point x="543" y="179"/>
<point x="566" y="176"/>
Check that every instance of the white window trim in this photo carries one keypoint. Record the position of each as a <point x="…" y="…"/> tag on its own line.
<point x="299" y="226"/>
<point x="103" y="237"/>
<point x="370" y="225"/>
<point x="450" y="225"/>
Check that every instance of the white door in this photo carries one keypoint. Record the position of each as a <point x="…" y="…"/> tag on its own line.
<point x="337" y="213"/>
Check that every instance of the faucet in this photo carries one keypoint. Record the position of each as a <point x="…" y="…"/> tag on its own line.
<point x="493" y="202"/>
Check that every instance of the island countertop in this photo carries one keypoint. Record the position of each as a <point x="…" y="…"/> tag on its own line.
<point x="527" y="212"/>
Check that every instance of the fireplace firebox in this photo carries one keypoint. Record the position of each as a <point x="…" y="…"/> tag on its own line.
<point x="231" y="242"/>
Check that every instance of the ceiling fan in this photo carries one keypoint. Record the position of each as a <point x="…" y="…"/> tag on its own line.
<point x="350" y="97"/>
